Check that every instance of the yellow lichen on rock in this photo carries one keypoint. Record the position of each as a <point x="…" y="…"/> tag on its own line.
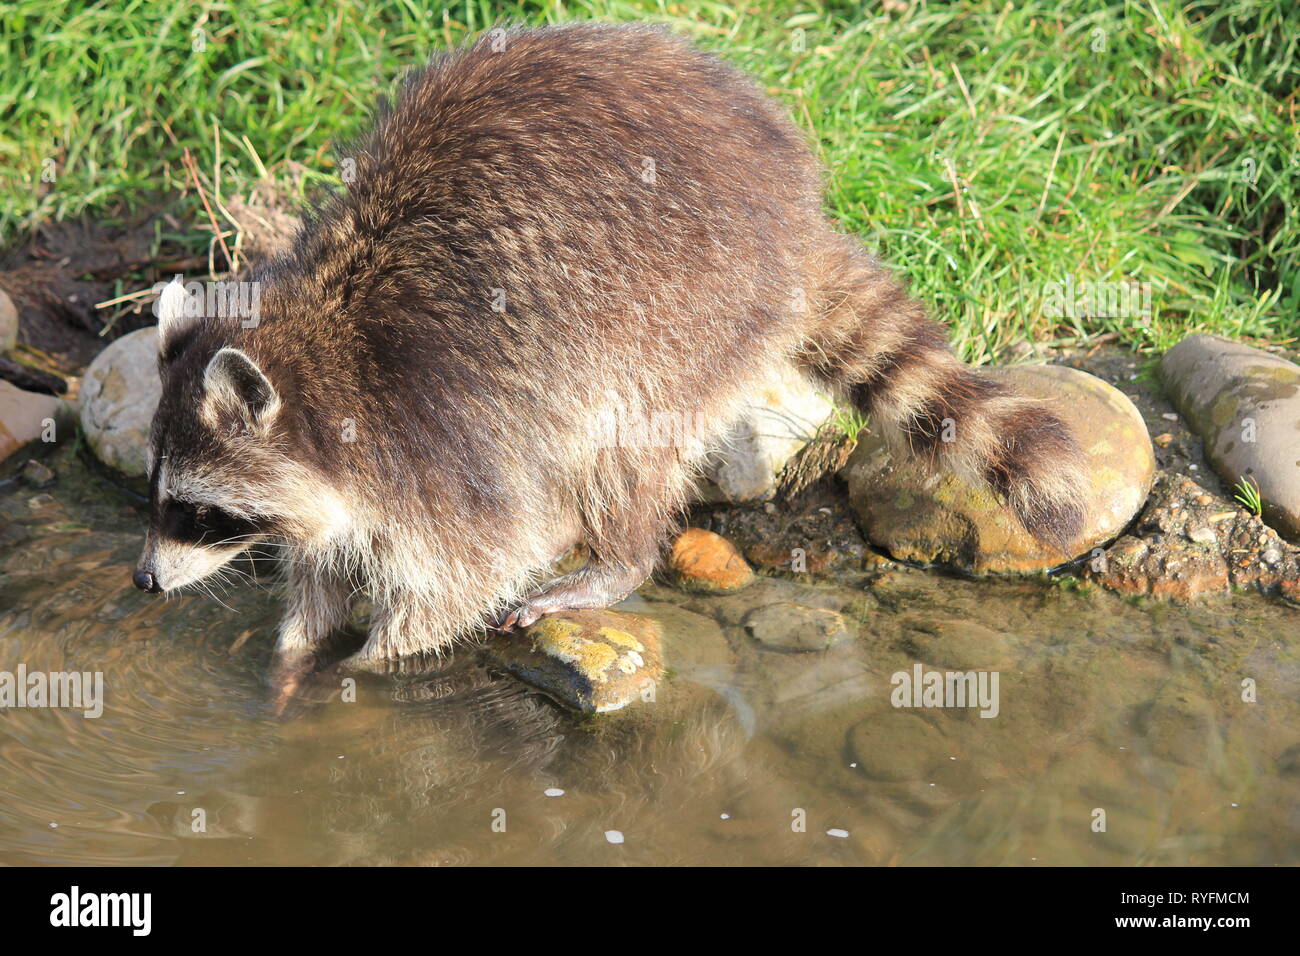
<point x="563" y="640"/>
<point x="596" y="661"/>
<point x="621" y="638"/>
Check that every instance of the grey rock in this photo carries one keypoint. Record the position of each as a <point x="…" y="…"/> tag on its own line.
<point x="1245" y="405"/>
<point x="38" y="474"/>
<point x="8" y="322"/>
<point x="118" y="397"/>
<point x="781" y="418"/>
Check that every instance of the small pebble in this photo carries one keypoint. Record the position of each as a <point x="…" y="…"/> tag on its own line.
<point x="726" y="816"/>
<point x="553" y="792"/>
<point x="37" y="474"/>
<point x="1272" y="556"/>
<point x="840" y="834"/>
<point x="614" y="836"/>
<point x="1170" y="416"/>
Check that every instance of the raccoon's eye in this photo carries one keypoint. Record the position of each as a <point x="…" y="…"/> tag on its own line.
<point x="192" y="512"/>
<point x="186" y="521"/>
<point x="205" y="524"/>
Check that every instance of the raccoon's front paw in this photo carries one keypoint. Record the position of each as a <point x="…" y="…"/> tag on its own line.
<point x="291" y="675"/>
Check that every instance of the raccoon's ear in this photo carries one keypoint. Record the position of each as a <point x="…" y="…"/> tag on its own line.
<point x="171" y="312"/>
<point x="233" y="380"/>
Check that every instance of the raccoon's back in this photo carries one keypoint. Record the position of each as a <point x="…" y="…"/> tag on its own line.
<point x="575" y="203"/>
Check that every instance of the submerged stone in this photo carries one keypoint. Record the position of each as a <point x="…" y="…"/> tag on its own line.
<point x="592" y="661"/>
<point x="896" y="746"/>
<point x="1179" y="725"/>
<point x="792" y="627"/>
<point x="961" y="645"/>
<point x="38" y="474"/>
<point x="946" y="519"/>
<point x="1245" y="405"/>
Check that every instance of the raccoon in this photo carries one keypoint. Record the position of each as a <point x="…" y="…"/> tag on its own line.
<point x="547" y="232"/>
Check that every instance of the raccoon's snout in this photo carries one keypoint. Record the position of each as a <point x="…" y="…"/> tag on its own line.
<point x="145" y="581"/>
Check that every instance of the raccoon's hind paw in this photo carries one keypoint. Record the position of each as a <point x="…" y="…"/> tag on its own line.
<point x="541" y="604"/>
<point x="591" y="588"/>
<point x="522" y="616"/>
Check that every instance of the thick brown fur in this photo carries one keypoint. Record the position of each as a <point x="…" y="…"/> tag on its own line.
<point x="551" y="231"/>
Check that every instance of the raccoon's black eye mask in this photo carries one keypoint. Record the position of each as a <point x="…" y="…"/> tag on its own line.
<point x="203" y="524"/>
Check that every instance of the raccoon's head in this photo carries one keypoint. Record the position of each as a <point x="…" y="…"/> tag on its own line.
<point x="227" y="463"/>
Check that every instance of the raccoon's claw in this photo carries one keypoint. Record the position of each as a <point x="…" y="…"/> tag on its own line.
<point x="592" y="587"/>
<point x="522" y="616"/>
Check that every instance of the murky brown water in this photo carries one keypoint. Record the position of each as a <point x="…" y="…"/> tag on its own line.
<point x="1104" y="704"/>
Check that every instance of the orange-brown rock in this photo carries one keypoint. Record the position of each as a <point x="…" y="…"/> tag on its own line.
<point x="704" y="561"/>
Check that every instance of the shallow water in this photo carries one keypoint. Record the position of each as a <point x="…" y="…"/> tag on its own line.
<point x="1131" y="708"/>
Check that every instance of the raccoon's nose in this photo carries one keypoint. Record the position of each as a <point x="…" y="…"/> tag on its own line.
<point x="145" y="581"/>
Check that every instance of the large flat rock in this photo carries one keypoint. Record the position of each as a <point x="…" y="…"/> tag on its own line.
<point x="947" y="519"/>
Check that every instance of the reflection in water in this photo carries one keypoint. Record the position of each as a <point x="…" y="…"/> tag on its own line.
<point x="750" y="754"/>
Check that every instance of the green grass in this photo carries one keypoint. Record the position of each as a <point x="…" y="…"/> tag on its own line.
<point x="1247" y="493"/>
<point x="986" y="149"/>
<point x="849" y="421"/>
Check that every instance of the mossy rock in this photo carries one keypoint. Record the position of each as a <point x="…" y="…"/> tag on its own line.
<point x="592" y="661"/>
<point x="914" y="515"/>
